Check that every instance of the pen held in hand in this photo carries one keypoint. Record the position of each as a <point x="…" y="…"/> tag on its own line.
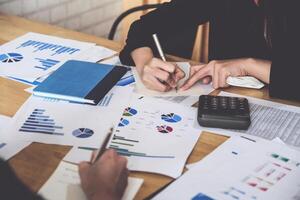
<point x="162" y="55"/>
<point x="103" y="146"/>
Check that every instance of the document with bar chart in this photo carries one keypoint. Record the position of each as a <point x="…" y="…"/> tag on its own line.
<point x="33" y="55"/>
<point x="156" y="135"/>
<point x="62" y="123"/>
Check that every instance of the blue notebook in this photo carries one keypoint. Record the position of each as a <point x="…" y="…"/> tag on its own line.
<point x="80" y="81"/>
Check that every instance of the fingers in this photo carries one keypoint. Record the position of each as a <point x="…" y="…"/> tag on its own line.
<point x="203" y="72"/>
<point x="166" y="66"/>
<point x="179" y="74"/>
<point x="83" y="168"/>
<point x="206" y="80"/>
<point x="223" y="75"/>
<point x="153" y="83"/>
<point x="196" y="68"/>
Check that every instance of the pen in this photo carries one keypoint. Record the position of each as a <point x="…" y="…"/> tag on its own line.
<point x="160" y="51"/>
<point x="103" y="146"/>
<point x="158" y="46"/>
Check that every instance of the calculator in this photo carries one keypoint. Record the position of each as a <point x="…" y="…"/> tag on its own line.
<point x="224" y="112"/>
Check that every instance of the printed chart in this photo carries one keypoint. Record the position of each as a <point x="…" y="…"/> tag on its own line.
<point x="39" y="122"/>
<point x="79" y="125"/>
<point x="35" y="55"/>
<point x="83" y="133"/>
<point x="149" y="133"/>
<point x="10" y="58"/>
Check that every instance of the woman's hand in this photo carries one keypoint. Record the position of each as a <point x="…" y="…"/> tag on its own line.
<point x="219" y="71"/>
<point x="155" y="73"/>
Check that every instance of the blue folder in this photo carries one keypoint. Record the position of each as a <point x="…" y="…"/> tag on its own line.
<point x="80" y="81"/>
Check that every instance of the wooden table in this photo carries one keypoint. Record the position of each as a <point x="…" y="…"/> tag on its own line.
<point x="37" y="162"/>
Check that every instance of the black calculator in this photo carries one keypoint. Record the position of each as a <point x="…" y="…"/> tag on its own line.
<point x="224" y="112"/>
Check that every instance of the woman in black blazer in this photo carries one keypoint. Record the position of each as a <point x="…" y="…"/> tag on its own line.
<point x="258" y="38"/>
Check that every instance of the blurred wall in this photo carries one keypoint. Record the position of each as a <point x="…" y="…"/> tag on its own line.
<point x="89" y="16"/>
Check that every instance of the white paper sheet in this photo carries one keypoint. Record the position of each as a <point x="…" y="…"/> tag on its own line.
<point x="10" y="148"/>
<point x="196" y="90"/>
<point x="182" y="100"/>
<point x="268" y="120"/>
<point x="95" y="54"/>
<point x="156" y="135"/>
<point x="241" y="169"/>
<point x="63" y="123"/>
<point x="4" y="124"/>
<point x="34" y="55"/>
<point x="112" y="61"/>
<point x="64" y="184"/>
<point x="79" y="154"/>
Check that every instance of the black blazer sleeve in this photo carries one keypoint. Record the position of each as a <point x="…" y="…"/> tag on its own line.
<point x="169" y="19"/>
<point x="11" y="187"/>
<point x="285" y="69"/>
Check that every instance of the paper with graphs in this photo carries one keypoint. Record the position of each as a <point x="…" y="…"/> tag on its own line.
<point x="241" y="169"/>
<point x="34" y="55"/>
<point x="155" y="135"/>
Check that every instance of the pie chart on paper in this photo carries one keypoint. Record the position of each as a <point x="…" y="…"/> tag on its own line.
<point x="128" y="112"/>
<point x="172" y="118"/>
<point x="10" y="58"/>
<point x="83" y="133"/>
<point x="123" y="122"/>
<point x="164" y="129"/>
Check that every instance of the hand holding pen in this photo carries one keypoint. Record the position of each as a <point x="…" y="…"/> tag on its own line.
<point x="176" y="74"/>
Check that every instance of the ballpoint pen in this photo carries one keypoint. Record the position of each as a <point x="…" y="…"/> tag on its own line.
<point x="161" y="53"/>
<point x="103" y="146"/>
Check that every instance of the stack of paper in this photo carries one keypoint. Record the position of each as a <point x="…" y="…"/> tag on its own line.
<point x="241" y="169"/>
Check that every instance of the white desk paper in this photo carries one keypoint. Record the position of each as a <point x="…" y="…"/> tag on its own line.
<point x="33" y="55"/>
<point x="268" y="120"/>
<point x="157" y="136"/>
<point x="63" y="123"/>
<point x="241" y="169"/>
<point x="196" y="90"/>
<point x="64" y="184"/>
<point x="95" y="54"/>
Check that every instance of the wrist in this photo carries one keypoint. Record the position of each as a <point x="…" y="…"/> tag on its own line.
<point x="141" y="57"/>
<point x="258" y="68"/>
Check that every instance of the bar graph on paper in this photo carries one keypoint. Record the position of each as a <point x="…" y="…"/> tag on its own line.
<point x="123" y="146"/>
<point x="39" y="122"/>
<point x="44" y="46"/>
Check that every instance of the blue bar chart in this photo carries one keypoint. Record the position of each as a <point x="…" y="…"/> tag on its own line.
<point x="46" y="63"/>
<point x="39" y="122"/>
<point x="42" y="46"/>
<point x="122" y="146"/>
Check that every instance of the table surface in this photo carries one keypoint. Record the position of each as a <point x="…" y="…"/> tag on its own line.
<point x="35" y="164"/>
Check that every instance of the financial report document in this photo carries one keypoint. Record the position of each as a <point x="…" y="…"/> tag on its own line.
<point x="269" y="120"/>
